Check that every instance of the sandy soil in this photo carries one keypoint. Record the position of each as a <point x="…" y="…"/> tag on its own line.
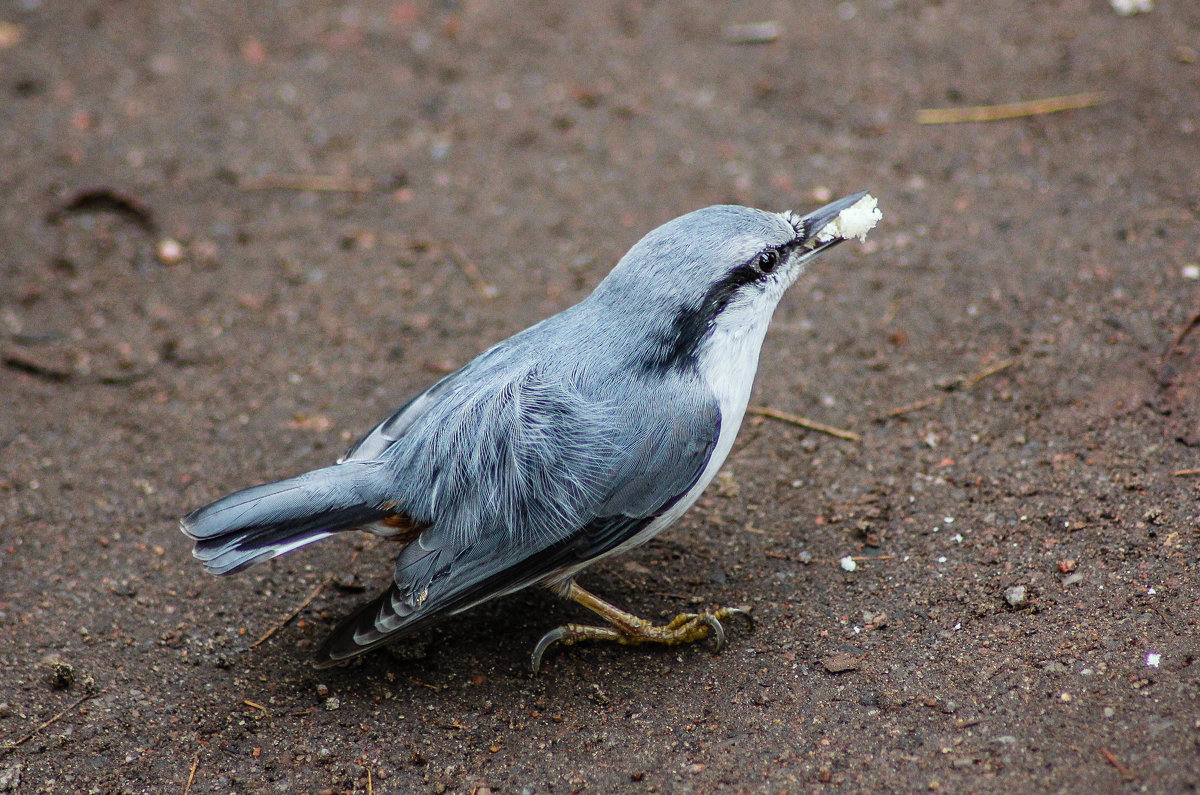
<point x="363" y="195"/>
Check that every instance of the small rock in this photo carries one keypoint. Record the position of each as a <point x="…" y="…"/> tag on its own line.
<point x="169" y="251"/>
<point x="10" y="778"/>
<point x="848" y="563"/>
<point x="1015" y="595"/>
<point x="62" y="675"/>
<point x="841" y="662"/>
<point x="322" y="690"/>
<point x="1072" y="579"/>
<point x="874" y="620"/>
<point x="332" y="703"/>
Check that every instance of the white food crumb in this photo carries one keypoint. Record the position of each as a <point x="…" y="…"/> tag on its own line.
<point x="1127" y="8"/>
<point x="848" y="563"/>
<point x="1153" y="659"/>
<point x="854" y="221"/>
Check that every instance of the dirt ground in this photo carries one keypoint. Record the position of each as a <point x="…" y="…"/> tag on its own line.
<point x="235" y="235"/>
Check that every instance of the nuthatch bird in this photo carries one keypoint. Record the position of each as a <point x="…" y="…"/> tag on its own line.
<point x="582" y="437"/>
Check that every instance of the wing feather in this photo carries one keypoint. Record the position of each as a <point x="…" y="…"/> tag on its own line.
<point x="522" y="482"/>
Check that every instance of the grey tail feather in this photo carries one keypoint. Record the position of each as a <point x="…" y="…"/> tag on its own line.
<point x="262" y="522"/>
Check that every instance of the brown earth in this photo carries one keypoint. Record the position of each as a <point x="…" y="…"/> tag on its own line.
<point x="346" y="181"/>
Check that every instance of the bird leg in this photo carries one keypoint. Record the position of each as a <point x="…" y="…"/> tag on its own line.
<point x="629" y="630"/>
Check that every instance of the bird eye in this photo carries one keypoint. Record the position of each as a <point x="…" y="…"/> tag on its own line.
<point x="768" y="260"/>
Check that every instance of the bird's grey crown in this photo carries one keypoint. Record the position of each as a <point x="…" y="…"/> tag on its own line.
<point x="681" y="276"/>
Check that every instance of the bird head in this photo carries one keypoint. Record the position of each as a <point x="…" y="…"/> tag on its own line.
<point x="720" y="268"/>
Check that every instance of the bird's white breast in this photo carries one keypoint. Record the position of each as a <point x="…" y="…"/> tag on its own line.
<point x="728" y="362"/>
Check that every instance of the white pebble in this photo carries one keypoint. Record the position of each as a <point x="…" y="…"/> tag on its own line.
<point x="1191" y="271"/>
<point x="1128" y="8"/>
<point x="848" y="563"/>
<point x="1015" y="595"/>
<point x="169" y="251"/>
<point x="1153" y="659"/>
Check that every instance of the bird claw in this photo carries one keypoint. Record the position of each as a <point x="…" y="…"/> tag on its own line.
<point x="549" y="639"/>
<point x="718" y="631"/>
<point x="684" y="628"/>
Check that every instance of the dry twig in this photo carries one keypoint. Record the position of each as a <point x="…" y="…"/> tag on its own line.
<point x="1012" y="110"/>
<point x="1183" y="332"/>
<point x="9" y="747"/>
<point x="966" y="382"/>
<point x="1180" y="473"/>
<point x="467" y="266"/>
<point x="920" y="404"/>
<point x="803" y="422"/>
<point x="314" y="182"/>
<point x="192" y="775"/>
<point x="283" y="622"/>
<point x="1122" y="768"/>
<point x="972" y="380"/>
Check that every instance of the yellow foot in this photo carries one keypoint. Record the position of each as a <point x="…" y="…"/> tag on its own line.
<point x="627" y="629"/>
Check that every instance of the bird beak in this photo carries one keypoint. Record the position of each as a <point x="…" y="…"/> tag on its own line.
<point x="818" y="219"/>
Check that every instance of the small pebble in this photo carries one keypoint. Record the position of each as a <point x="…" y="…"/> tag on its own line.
<point x="752" y="33"/>
<point x="62" y="675"/>
<point x="1015" y="595"/>
<point x="332" y="703"/>
<point x="1153" y="659"/>
<point x="169" y="251"/>
<point x="841" y="662"/>
<point x="848" y="563"/>
<point x="1128" y="8"/>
